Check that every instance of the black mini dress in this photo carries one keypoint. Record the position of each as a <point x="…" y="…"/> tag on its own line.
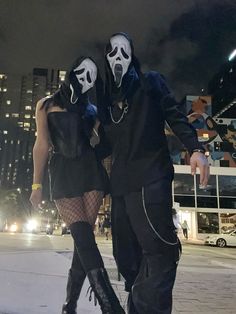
<point x="74" y="167"/>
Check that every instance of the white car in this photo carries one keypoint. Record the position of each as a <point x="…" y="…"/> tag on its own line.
<point x="221" y="240"/>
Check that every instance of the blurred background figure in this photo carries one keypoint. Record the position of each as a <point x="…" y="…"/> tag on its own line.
<point x="185" y="229"/>
<point x="107" y="226"/>
<point x="176" y="220"/>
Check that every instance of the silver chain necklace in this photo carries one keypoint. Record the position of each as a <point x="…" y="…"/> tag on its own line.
<point x="125" y="110"/>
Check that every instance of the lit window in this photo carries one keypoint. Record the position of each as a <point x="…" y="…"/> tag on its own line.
<point x="5" y="132"/>
<point x="7" y="115"/>
<point x="26" y="125"/>
<point x="29" y="91"/>
<point x="4" y="90"/>
<point x="28" y="107"/>
<point x="15" y="115"/>
<point x="8" y="102"/>
<point x="3" y="76"/>
<point x="20" y="124"/>
<point x="27" y="116"/>
<point x="48" y="93"/>
<point x="62" y="75"/>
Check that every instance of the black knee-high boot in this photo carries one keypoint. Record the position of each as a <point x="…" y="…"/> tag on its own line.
<point x="92" y="262"/>
<point x="75" y="282"/>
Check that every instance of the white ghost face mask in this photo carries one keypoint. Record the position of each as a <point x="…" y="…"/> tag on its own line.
<point x="119" y="57"/>
<point x="86" y="74"/>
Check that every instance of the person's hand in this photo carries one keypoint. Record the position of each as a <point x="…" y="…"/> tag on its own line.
<point x="36" y="198"/>
<point x="199" y="160"/>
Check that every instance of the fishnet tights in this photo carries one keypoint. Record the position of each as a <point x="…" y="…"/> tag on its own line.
<point x="84" y="208"/>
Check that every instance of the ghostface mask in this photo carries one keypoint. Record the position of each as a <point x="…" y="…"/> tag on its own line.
<point x="85" y="75"/>
<point x="119" y="58"/>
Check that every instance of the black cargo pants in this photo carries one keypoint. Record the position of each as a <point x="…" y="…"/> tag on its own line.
<point x="145" y="245"/>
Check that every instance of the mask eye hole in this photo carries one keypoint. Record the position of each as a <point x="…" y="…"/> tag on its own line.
<point x="113" y="52"/>
<point x="89" y="77"/>
<point x="124" y="54"/>
<point x="78" y="72"/>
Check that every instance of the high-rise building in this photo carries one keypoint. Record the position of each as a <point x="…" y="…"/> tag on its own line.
<point x="17" y="130"/>
<point x="222" y="87"/>
<point x="9" y="114"/>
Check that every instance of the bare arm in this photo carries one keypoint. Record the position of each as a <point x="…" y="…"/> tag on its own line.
<point x="40" y="152"/>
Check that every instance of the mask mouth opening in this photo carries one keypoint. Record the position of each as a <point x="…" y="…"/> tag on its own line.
<point x="118" y="71"/>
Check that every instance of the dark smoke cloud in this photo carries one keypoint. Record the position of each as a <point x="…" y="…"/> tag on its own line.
<point x="184" y="39"/>
<point x="53" y="33"/>
<point x="198" y="43"/>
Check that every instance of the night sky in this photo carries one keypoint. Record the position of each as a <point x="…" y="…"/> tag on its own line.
<point x="185" y="40"/>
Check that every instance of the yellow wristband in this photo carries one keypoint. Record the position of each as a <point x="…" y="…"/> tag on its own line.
<point x="36" y="186"/>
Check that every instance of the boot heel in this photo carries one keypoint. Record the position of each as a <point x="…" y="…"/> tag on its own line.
<point x="104" y="292"/>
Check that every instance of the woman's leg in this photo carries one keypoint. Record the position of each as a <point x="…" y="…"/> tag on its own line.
<point x="90" y="256"/>
<point x="72" y="210"/>
<point x="80" y="213"/>
<point x="75" y="282"/>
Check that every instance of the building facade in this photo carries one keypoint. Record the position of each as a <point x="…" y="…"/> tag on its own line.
<point x="213" y="209"/>
<point x="209" y="210"/>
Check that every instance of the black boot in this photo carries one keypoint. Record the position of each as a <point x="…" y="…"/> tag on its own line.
<point x="75" y="282"/>
<point x="104" y="292"/>
<point x="92" y="262"/>
<point x="73" y="288"/>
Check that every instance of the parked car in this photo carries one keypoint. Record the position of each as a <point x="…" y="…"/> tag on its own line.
<point x="49" y="228"/>
<point x="64" y="229"/>
<point x="227" y="238"/>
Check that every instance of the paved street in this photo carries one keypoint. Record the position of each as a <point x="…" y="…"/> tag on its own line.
<point x="205" y="283"/>
<point x="206" y="279"/>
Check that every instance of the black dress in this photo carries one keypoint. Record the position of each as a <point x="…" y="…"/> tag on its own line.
<point x="73" y="166"/>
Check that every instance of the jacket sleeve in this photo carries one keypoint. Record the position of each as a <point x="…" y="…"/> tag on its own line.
<point x="177" y="121"/>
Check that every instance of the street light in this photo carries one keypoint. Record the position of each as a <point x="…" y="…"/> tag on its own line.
<point x="232" y="55"/>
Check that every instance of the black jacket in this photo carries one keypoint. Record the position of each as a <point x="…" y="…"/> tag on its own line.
<point x="138" y="144"/>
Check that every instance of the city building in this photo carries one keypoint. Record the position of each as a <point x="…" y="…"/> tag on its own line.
<point x="18" y="98"/>
<point x="223" y="91"/>
<point x="213" y="209"/>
